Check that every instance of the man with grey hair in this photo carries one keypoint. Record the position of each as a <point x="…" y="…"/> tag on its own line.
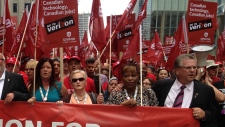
<point x="12" y="86"/>
<point x="185" y="92"/>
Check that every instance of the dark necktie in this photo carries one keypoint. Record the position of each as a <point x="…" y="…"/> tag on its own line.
<point x="179" y="99"/>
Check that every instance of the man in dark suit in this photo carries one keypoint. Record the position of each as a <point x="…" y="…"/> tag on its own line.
<point x="12" y="86"/>
<point x="185" y="92"/>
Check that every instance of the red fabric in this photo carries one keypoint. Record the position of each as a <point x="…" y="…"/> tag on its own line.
<point x="31" y="34"/>
<point x="91" y="51"/>
<point x="221" y="47"/>
<point x="155" y="51"/>
<point x="141" y="16"/>
<point x="83" y="47"/>
<point x="151" y="76"/>
<point x="132" y="49"/>
<point x="104" y="86"/>
<point x="215" y="79"/>
<point x="90" y="87"/>
<point x="7" y="21"/>
<point x="18" y="38"/>
<point x="96" y="26"/>
<point x="126" y="15"/>
<point x="25" y="77"/>
<point x="175" y="51"/>
<point x="22" y="114"/>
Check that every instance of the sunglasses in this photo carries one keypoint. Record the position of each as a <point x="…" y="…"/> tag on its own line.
<point x="74" y="80"/>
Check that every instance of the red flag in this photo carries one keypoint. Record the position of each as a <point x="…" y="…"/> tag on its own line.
<point x="141" y="16"/>
<point x="96" y="26"/>
<point x="36" y="22"/>
<point x="132" y="49"/>
<point x="83" y="47"/>
<point x="221" y="47"/>
<point x="155" y="50"/>
<point x="8" y="24"/>
<point x="126" y="15"/>
<point x="18" y="38"/>
<point x="176" y="50"/>
<point x="91" y="51"/>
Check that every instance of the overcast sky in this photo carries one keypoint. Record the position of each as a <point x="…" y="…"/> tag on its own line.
<point x="108" y="6"/>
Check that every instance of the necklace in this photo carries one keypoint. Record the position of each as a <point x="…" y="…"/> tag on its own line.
<point x="135" y="93"/>
<point x="84" y="98"/>
<point x="44" y="98"/>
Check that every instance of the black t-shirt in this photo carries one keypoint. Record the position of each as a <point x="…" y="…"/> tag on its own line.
<point x="221" y="106"/>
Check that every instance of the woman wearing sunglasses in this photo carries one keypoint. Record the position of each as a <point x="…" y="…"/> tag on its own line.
<point x="80" y="96"/>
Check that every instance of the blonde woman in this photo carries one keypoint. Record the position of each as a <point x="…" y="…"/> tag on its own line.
<point x="29" y="70"/>
<point x="80" y="96"/>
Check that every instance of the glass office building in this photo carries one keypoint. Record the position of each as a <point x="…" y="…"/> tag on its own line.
<point x="164" y="16"/>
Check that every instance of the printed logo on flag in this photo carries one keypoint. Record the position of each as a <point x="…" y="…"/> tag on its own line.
<point x="200" y="25"/>
<point x="124" y="34"/>
<point x="59" y="24"/>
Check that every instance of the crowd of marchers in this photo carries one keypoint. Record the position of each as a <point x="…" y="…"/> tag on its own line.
<point x="187" y="86"/>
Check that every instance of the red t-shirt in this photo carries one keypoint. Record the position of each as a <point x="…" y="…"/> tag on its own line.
<point x="215" y="79"/>
<point x="90" y="87"/>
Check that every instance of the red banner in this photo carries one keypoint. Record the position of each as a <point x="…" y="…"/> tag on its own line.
<point x="201" y="22"/>
<point x="61" y="22"/>
<point x="22" y="114"/>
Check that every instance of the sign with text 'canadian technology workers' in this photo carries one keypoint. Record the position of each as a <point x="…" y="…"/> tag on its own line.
<point x="60" y="22"/>
<point x="201" y="22"/>
<point x="22" y="114"/>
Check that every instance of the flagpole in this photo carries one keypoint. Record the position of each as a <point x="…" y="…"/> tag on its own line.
<point x="140" y="48"/>
<point x="22" y="39"/>
<point x="4" y="17"/>
<point x="110" y="47"/>
<point x="185" y="33"/>
<point x="35" y="43"/>
<point x="107" y="43"/>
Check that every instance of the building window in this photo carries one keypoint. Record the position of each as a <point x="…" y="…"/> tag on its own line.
<point x="27" y="5"/>
<point x="14" y="7"/>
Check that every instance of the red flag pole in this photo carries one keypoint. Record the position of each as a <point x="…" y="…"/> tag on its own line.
<point x="24" y="32"/>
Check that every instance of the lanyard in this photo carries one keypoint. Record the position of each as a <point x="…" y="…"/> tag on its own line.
<point x="44" y="98"/>
<point x="135" y="94"/>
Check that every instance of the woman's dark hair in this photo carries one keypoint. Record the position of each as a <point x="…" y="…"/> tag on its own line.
<point x="161" y="70"/>
<point x="38" y="79"/>
<point x="55" y="59"/>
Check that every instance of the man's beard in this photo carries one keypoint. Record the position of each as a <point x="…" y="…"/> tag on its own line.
<point x="2" y="68"/>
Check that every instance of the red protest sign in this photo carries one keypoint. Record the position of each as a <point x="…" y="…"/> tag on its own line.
<point x="60" y="22"/>
<point x="201" y="22"/>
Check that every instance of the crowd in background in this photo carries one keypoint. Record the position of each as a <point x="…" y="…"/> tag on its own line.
<point x="82" y="84"/>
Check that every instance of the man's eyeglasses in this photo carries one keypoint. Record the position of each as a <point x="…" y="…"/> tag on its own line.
<point x="74" y="80"/>
<point x="29" y="69"/>
<point x="189" y="67"/>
